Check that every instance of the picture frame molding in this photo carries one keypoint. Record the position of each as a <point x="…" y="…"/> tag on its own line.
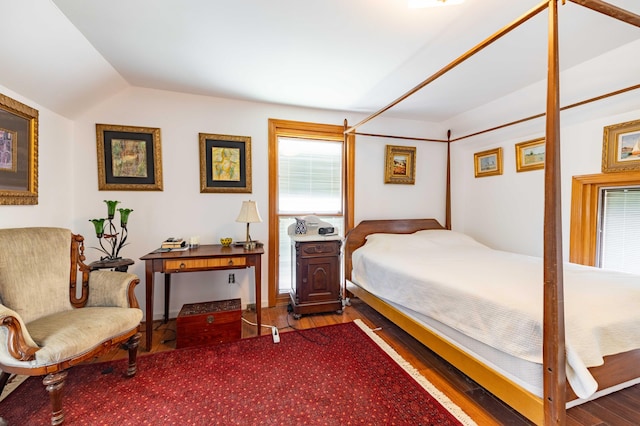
<point x="521" y="148"/>
<point x="19" y="120"/>
<point x="478" y="156"/>
<point x="612" y="151"/>
<point x="390" y="174"/>
<point x="208" y="184"/>
<point x="106" y="180"/>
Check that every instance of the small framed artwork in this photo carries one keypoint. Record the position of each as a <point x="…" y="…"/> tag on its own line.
<point x="621" y="147"/>
<point x="129" y="158"/>
<point x="18" y="153"/>
<point x="488" y="163"/>
<point x="530" y="155"/>
<point x="225" y="163"/>
<point x="400" y="165"/>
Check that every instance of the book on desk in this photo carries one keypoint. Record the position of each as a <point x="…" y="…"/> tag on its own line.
<point x="173" y="244"/>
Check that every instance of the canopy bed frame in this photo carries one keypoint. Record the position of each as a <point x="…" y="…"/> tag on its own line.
<point x="551" y="408"/>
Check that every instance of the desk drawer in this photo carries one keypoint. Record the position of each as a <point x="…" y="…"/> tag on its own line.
<point x="197" y="264"/>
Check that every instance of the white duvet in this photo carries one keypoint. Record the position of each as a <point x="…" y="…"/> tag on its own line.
<point x="496" y="297"/>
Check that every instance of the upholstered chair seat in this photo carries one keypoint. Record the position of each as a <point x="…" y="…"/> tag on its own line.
<point x="55" y="312"/>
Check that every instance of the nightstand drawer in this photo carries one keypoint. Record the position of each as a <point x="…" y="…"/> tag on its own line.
<point x="324" y="248"/>
<point x="195" y="264"/>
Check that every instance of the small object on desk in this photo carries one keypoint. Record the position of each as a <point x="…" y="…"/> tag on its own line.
<point x="194" y="242"/>
<point x="226" y="242"/>
<point x="173" y="243"/>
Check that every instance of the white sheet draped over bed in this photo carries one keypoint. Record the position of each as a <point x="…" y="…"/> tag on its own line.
<point x="496" y="297"/>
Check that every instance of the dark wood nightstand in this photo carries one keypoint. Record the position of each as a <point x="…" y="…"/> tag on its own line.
<point x="315" y="284"/>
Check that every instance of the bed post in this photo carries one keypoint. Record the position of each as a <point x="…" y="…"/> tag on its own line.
<point x="447" y="220"/>
<point x="553" y="336"/>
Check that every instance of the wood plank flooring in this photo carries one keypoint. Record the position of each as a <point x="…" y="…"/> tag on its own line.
<point x="619" y="409"/>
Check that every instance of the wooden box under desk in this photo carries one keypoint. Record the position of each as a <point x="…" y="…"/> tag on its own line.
<point x="209" y="322"/>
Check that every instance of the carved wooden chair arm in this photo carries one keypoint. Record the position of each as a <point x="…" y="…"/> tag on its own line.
<point x="17" y="345"/>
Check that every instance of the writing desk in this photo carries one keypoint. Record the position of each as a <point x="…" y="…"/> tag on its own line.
<point x="204" y="258"/>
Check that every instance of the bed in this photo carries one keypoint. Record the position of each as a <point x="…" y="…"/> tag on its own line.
<point x="516" y="379"/>
<point x="617" y="369"/>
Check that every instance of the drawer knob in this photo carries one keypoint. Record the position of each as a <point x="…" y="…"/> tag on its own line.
<point x="209" y="319"/>
<point x="230" y="262"/>
<point x="182" y="265"/>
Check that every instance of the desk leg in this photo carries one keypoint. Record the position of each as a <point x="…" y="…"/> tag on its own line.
<point x="148" y="303"/>
<point x="167" y="293"/>
<point x="258" y="273"/>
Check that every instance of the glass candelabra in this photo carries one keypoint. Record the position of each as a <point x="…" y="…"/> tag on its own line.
<point x="111" y="241"/>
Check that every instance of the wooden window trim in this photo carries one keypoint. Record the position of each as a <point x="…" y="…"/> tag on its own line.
<point x="310" y="131"/>
<point x="585" y="192"/>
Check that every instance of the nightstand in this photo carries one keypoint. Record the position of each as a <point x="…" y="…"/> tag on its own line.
<point x="315" y="279"/>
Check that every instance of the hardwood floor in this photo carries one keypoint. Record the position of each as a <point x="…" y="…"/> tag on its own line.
<point x="619" y="409"/>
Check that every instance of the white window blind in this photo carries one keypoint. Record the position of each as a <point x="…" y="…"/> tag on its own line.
<point x="309" y="176"/>
<point x="620" y="229"/>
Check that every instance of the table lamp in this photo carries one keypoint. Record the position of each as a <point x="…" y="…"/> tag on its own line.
<point x="249" y="214"/>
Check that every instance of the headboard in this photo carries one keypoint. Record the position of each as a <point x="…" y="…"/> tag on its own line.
<point x="358" y="235"/>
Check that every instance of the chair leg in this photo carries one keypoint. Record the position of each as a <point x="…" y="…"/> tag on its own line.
<point x="132" y="345"/>
<point x="4" y="379"/>
<point x="54" y="383"/>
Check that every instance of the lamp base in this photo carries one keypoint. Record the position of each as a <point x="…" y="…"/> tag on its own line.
<point x="250" y="245"/>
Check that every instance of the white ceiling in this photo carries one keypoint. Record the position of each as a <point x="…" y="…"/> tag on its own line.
<point x="348" y="55"/>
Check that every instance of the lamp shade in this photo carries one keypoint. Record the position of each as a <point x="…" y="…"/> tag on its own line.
<point x="249" y="213"/>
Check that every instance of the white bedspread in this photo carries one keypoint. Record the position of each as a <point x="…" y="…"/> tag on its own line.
<point x="496" y="297"/>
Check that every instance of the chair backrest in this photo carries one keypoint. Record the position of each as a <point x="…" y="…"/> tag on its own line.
<point x="35" y="269"/>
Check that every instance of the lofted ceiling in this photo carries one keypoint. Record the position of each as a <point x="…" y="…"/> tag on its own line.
<point x="355" y="55"/>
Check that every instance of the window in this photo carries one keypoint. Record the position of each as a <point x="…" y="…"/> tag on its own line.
<point x="587" y="217"/>
<point x="619" y="236"/>
<point x="308" y="175"/>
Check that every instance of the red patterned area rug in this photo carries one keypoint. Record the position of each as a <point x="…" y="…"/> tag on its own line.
<point x="334" y="375"/>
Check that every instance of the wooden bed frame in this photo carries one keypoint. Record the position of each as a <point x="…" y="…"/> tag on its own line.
<point x="551" y="410"/>
<point x="617" y="369"/>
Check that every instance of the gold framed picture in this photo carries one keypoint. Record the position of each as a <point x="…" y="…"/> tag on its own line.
<point x="400" y="165"/>
<point x="488" y="163"/>
<point x="621" y="147"/>
<point x="530" y="155"/>
<point x="18" y="153"/>
<point x="129" y="158"/>
<point x="225" y="163"/>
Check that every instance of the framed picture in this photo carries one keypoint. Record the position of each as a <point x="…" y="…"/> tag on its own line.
<point x="18" y="153"/>
<point x="488" y="163"/>
<point x="225" y="163"/>
<point x="129" y="158"/>
<point x="621" y="147"/>
<point x="530" y="155"/>
<point x="400" y="165"/>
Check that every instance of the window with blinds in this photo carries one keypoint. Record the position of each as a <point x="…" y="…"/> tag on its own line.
<point x="309" y="182"/>
<point x="309" y="176"/>
<point x="619" y="243"/>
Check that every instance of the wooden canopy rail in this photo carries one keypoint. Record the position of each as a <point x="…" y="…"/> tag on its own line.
<point x="554" y="398"/>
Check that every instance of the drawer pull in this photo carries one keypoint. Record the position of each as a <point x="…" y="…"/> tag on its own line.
<point x="209" y="319"/>
<point x="230" y="262"/>
<point x="182" y="265"/>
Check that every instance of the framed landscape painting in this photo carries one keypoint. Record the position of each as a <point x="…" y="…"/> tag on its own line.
<point x="225" y="163"/>
<point x="530" y="155"/>
<point x="488" y="163"/>
<point x="18" y="153"/>
<point x="400" y="165"/>
<point x="621" y="147"/>
<point x="129" y="158"/>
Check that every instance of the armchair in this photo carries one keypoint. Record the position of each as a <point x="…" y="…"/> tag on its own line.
<point x="49" y="321"/>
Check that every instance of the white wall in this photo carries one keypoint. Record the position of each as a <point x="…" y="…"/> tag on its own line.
<point x="506" y="211"/>
<point x="55" y="177"/>
<point x="180" y="210"/>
